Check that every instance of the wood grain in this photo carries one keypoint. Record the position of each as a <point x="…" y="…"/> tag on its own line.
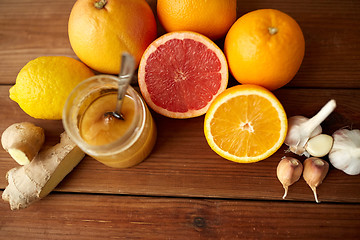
<point x="81" y="216"/>
<point x="184" y="190"/>
<point x="182" y="163"/>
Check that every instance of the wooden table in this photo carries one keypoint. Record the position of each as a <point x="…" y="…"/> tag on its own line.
<point x="184" y="190"/>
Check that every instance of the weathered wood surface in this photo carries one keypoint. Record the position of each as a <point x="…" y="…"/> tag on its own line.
<point x="183" y="179"/>
<point x="84" y="217"/>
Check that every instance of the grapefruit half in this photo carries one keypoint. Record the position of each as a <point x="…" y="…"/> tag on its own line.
<point x="181" y="73"/>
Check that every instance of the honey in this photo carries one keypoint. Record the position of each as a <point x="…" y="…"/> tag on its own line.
<point x="97" y="128"/>
<point x="118" y="143"/>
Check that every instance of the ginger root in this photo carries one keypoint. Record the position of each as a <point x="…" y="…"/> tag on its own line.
<point x="37" y="179"/>
<point x="23" y="141"/>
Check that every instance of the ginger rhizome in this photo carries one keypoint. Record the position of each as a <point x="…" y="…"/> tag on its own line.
<point x="23" y="141"/>
<point x="37" y="179"/>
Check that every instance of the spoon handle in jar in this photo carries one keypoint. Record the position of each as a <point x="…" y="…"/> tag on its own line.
<point x="125" y="76"/>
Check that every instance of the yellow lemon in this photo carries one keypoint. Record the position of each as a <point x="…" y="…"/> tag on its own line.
<point x="43" y="85"/>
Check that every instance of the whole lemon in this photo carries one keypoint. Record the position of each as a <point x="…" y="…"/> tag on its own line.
<point x="43" y="85"/>
<point x="100" y="30"/>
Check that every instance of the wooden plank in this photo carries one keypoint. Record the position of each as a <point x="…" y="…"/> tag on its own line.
<point x="31" y="29"/>
<point x="182" y="164"/>
<point x="81" y="216"/>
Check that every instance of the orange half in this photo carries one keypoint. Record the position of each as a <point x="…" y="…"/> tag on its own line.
<point x="245" y="123"/>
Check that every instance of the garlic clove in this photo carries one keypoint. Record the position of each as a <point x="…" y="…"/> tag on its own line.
<point x="345" y="153"/>
<point x="288" y="172"/>
<point x="315" y="170"/>
<point x="319" y="145"/>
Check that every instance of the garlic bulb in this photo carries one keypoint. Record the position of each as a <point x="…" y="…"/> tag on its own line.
<point x="301" y="129"/>
<point x="345" y="153"/>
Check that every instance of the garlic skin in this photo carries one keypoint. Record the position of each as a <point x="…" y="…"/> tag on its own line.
<point x="319" y="145"/>
<point x="294" y="139"/>
<point x="315" y="170"/>
<point x="301" y="129"/>
<point x="345" y="153"/>
<point x="288" y="172"/>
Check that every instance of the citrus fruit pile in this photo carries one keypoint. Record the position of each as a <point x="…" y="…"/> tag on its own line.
<point x="183" y="73"/>
<point x="180" y="79"/>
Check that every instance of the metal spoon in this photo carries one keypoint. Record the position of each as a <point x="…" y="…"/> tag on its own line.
<point x="125" y="76"/>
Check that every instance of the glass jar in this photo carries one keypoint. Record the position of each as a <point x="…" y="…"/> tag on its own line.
<point x="121" y="144"/>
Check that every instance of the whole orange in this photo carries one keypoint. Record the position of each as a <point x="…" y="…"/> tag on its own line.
<point x="212" y="18"/>
<point x="100" y="30"/>
<point x="265" y="47"/>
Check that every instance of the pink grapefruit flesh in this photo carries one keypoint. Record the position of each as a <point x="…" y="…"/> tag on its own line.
<point x="181" y="73"/>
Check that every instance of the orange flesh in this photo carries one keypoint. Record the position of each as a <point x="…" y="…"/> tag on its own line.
<point x="96" y="129"/>
<point x="249" y="131"/>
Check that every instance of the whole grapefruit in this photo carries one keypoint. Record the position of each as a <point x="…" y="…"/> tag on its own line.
<point x="100" y="30"/>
